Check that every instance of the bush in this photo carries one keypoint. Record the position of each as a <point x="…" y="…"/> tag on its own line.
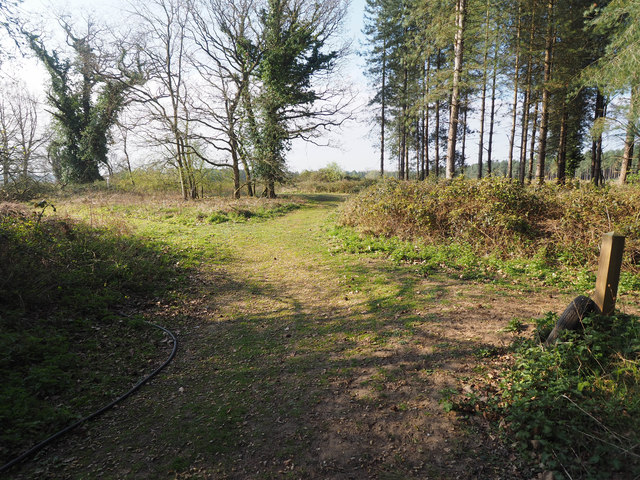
<point x="561" y="225"/>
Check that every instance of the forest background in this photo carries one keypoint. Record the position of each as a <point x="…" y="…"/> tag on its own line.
<point x="531" y="89"/>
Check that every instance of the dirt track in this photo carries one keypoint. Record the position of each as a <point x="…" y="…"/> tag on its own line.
<point x="299" y="362"/>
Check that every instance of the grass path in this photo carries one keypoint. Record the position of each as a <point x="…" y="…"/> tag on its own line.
<point x="299" y="362"/>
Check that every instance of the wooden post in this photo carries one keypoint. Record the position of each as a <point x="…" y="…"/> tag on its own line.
<point x="609" y="272"/>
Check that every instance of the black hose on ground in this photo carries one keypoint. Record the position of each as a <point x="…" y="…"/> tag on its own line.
<point x="57" y="435"/>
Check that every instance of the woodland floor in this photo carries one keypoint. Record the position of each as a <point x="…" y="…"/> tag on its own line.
<point x="296" y="360"/>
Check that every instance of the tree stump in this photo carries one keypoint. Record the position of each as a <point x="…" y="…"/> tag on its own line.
<point x="571" y="318"/>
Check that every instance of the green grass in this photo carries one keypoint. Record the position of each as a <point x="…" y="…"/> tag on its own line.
<point x="461" y="260"/>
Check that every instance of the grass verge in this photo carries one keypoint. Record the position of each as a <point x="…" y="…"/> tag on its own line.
<point x="67" y="348"/>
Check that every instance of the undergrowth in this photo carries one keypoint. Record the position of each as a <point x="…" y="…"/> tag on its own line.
<point x="462" y="260"/>
<point x="538" y="231"/>
<point x="65" y="349"/>
<point x="575" y="407"/>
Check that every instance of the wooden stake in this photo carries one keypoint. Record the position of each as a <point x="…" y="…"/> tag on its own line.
<point x="609" y="272"/>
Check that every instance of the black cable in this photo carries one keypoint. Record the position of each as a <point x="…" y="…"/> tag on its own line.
<point x="53" y="437"/>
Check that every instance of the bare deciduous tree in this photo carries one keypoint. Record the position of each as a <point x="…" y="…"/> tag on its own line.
<point x="228" y="56"/>
<point x="21" y="139"/>
<point x="163" y="49"/>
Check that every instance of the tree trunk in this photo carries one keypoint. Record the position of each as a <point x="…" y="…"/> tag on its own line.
<point x="383" y="99"/>
<point x="461" y="10"/>
<point x="425" y="124"/>
<point x="629" y="140"/>
<point x="405" y="109"/>
<point x="436" y="160"/>
<point x="493" y="109"/>
<point x="270" y="190"/>
<point x="532" y="146"/>
<point x="562" y="146"/>
<point x="249" y="178"/>
<point x="628" y="154"/>
<point x="483" y="96"/>
<point x="524" y="133"/>
<point x="527" y="100"/>
<point x="544" y="120"/>
<point x="463" y="160"/>
<point x="406" y="155"/>
<point x="419" y="145"/>
<point x="401" y="151"/>
<point x="235" y="163"/>
<point x="599" y="172"/>
<point x="516" y="81"/>
<point x="596" y="145"/>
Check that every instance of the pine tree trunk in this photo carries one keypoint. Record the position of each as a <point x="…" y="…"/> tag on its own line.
<point x="492" y="116"/>
<point x="401" y="151"/>
<point x="516" y="81"/>
<point x="383" y="101"/>
<point x="425" y="132"/>
<point x="629" y="140"/>
<point x="463" y="160"/>
<point x="596" y="145"/>
<point x="406" y="155"/>
<point x="524" y="133"/>
<point x="532" y="146"/>
<point x="527" y="100"/>
<point x="544" y="120"/>
<point x="483" y="96"/>
<point x="461" y="10"/>
<point x="436" y="160"/>
<point x="628" y="155"/>
<point x="562" y="146"/>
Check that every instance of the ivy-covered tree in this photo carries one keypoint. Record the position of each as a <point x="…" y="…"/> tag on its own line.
<point x="290" y="105"/>
<point x="85" y="105"/>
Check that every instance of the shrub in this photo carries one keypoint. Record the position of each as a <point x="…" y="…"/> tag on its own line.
<point x="502" y="218"/>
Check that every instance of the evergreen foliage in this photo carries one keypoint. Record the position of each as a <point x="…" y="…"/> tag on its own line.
<point x="293" y="54"/>
<point x="550" y="61"/>
<point x="85" y="103"/>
